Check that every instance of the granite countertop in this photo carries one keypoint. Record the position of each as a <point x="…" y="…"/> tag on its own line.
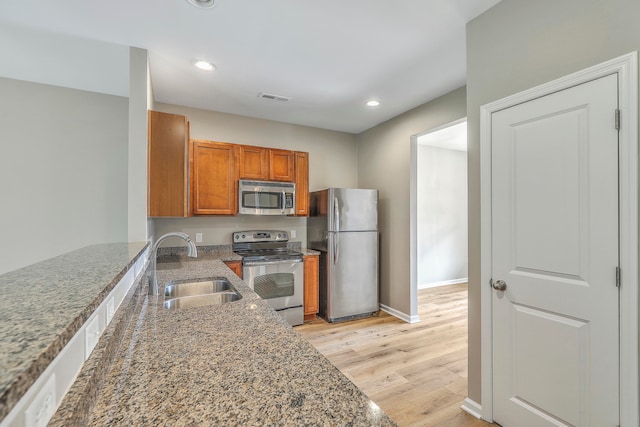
<point x="238" y="363"/>
<point x="45" y="304"/>
<point x="222" y="252"/>
<point x="308" y="252"/>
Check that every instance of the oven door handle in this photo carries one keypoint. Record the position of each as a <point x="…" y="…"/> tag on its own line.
<point x="259" y="263"/>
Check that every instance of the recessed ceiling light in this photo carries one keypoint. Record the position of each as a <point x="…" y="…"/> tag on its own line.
<point x="204" y="65"/>
<point x="202" y="3"/>
<point x="373" y="103"/>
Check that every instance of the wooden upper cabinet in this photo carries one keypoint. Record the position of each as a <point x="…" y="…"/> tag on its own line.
<point x="254" y="162"/>
<point x="266" y="164"/>
<point x="168" y="161"/>
<point x="281" y="165"/>
<point x="302" y="183"/>
<point x="214" y="178"/>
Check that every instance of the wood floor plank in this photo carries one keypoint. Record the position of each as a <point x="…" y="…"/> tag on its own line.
<point x="417" y="372"/>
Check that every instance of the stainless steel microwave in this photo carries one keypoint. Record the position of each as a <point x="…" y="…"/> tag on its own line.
<point x="266" y="197"/>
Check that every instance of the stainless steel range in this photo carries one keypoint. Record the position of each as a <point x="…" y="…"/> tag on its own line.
<point x="273" y="271"/>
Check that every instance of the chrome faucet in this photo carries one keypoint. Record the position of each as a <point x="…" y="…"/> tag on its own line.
<point x="192" y="251"/>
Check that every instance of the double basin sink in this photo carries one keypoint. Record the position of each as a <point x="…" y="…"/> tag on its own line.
<point x="198" y="293"/>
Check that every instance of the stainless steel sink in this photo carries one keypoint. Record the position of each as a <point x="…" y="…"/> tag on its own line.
<point x="187" y="288"/>
<point x="199" y="293"/>
<point x="201" y="300"/>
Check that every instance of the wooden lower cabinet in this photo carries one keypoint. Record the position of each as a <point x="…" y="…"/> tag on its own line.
<point x="214" y="178"/>
<point x="235" y="266"/>
<point x="311" y="302"/>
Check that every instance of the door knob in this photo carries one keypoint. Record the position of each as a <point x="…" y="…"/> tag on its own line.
<point x="499" y="285"/>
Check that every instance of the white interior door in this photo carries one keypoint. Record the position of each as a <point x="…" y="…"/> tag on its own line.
<point x="555" y="247"/>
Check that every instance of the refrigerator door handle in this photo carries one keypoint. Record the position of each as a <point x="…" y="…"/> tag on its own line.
<point x="336" y="216"/>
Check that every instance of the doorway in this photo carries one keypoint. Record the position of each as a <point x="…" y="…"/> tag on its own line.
<point x="438" y="208"/>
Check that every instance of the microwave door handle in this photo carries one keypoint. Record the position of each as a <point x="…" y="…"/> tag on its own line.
<point x="284" y="201"/>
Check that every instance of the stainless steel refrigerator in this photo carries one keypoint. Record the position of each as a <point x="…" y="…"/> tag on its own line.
<point x="343" y="226"/>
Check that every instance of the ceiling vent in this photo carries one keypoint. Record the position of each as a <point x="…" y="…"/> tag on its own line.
<point x="272" y="97"/>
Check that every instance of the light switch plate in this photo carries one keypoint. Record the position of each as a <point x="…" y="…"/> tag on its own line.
<point x="198" y="237"/>
<point x="43" y="406"/>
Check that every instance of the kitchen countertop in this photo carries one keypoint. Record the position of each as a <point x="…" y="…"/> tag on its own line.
<point x="238" y="363"/>
<point x="223" y="252"/>
<point x="45" y="304"/>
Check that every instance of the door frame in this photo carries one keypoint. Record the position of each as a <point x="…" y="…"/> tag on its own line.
<point x="413" y="215"/>
<point x="626" y="67"/>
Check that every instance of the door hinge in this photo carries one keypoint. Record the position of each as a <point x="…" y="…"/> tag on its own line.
<point x="618" y="277"/>
<point x="617" y="119"/>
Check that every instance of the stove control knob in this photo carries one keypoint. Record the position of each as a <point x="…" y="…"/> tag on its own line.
<point x="243" y="236"/>
<point x="236" y="237"/>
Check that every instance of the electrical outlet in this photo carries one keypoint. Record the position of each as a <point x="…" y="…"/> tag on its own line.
<point x="198" y="237"/>
<point x="43" y="406"/>
<point x="92" y="335"/>
<point x="110" y="310"/>
<point x="292" y="234"/>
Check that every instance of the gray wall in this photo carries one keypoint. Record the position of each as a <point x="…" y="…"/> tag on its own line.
<point x="442" y="215"/>
<point x="384" y="163"/>
<point x="333" y="162"/>
<point x="63" y="169"/>
<point x="516" y="45"/>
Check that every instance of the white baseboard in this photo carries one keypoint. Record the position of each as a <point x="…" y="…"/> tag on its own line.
<point x="443" y="283"/>
<point x="472" y="408"/>
<point x="400" y="315"/>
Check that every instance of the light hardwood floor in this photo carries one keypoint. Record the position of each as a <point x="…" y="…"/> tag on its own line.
<point x="417" y="373"/>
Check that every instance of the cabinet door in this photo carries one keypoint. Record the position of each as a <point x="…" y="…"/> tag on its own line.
<point x="254" y="162"/>
<point x="281" y="165"/>
<point x="168" y="136"/>
<point x="302" y="183"/>
<point x="235" y="266"/>
<point x="311" y="305"/>
<point x="214" y="178"/>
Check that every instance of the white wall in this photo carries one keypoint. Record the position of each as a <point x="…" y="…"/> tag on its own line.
<point x="332" y="163"/>
<point x="63" y="169"/>
<point x="137" y="150"/>
<point x="514" y="46"/>
<point x="442" y="215"/>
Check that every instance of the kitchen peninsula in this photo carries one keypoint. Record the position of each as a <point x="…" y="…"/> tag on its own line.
<point x="44" y="312"/>
<point x="238" y="363"/>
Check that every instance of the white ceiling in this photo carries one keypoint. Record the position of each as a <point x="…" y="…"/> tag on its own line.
<point x="329" y="57"/>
